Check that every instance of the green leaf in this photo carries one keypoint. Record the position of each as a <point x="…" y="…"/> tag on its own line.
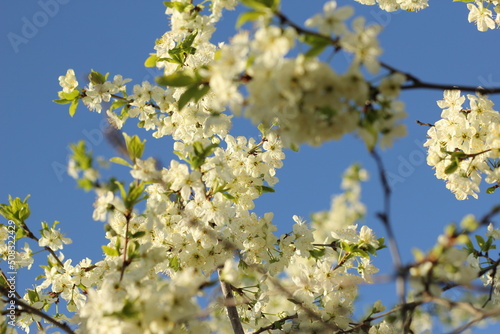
<point x="317" y="253"/>
<point x="294" y="301"/>
<point x="70" y="96"/>
<point x="61" y="101"/>
<point x="73" y="106"/>
<point x="197" y="158"/>
<point x="151" y="60"/>
<point x="85" y="184"/>
<point x="110" y="251"/>
<point x="120" y="161"/>
<point x="177" y="60"/>
<point x="469" y="246"/>
<point x="264" y="189"/>
<point x="187" y="43"/>
<point x="82" y="158"/>
<point x="195" y="92"/>
<point x="316" y="50"/>
<point x="178" y="5"/>
<point x="123" y="193"/>
<point x="278" y="325"/>
<point x="118" y="104"/>
<point x="229" y="197"/>
<point x="135" y="147"/>
<point x="21" y="232"/>
<point x="138" y="234"/>
<point x="33" y="296"/>
<point x="17" y="210"/>
<point x="133" y="250"/>
<point x="488" y="244"/>
<point x="360" y="252"/>
<point x="491" y="190"/>
<point x="248" y="17"/>
<point x="178" y="79"/>
<point x="242" y="265"/>
<point x="174" y="263"/>
<point x="97" y="78"/>
<point x="480" y="241"/>
<point x="313" y="39"/>
<point x="451" y="168"/>
<point x="186" y="97"/>
<point x="458" y="156"/>
<point x="294" y="147"/>
<point x="257" y="4"/>
<point x="109" y="229"/>
<point x="381" y="243"/>
<point x="135" y="191"/>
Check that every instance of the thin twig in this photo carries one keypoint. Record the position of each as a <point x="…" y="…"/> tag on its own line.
<point x="126" y="262"/>
<point x="419" y="84"/>
<point x="275" y="324"/>
<point x="368" y="320"/>
<point x="422" y="123"/>
<point x="416" y="83"/>
<point x="393" y="246"/>
<point x="467" y="307"/>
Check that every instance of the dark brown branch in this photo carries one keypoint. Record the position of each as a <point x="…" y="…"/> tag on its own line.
<point x="230" y="304"/>
<point x="420" y="85"/>
<point x="275" y="325"/>
<point x="487" y="218"/>
<point x="367" y="321"/>
<point x="416" y="83"/>
<point x="467" y="307"/>
<point x="126" y="261"/>
<point x="422" y="123"/>
<point x="285" y="20"/>
<point x="393" y="246"/>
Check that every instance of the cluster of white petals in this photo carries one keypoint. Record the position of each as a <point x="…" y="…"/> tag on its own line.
<point x="393" y="5"/>
<point x="481" y="13"/>
<point x="484" y="13"/>
<point x="464" y="145"/>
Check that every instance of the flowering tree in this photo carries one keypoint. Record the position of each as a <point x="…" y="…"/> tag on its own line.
<point x="175" y="232"/>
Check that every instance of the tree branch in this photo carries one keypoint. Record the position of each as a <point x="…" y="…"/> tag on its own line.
<point x="416" y="83"/>
<point x="230" y="304"/>
<point x="126" y="261"/>
<point x="393" y="246"/>
<point x="276" y="324"/>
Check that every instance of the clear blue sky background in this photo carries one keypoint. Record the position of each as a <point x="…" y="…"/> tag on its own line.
<point x="437" y="45"/>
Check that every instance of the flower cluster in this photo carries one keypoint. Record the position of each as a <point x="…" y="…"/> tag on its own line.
<point x="393" y="5"/>
<point x="458" y="259"/>
<point x="463" y="146"/>
<point x="481" y="12"/>
<point x="304" y="97"/>
<point x="323" y="266"/>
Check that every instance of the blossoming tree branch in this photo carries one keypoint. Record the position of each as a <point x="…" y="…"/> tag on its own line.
<point x="174" y="233"/>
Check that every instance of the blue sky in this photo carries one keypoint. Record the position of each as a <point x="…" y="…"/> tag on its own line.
<point x="436" y="45"/>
